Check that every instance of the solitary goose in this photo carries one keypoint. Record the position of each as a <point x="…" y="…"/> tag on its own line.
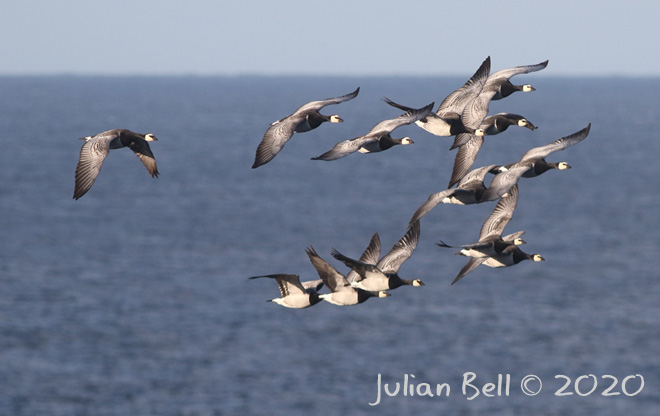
<point x="469" y="144"/>
<point x="96" y="148"/>
<point x="510" y="256"/>
<point x="378" y="138"/>
<point x="304" y="119"/>
<point x="341" y="292"/>
<point x="295" y="294"/>
<point x="446" y="121"/>
<point x="383" y="275"/>
<point x="491" y="242"/>
<point x="534" y="159"/>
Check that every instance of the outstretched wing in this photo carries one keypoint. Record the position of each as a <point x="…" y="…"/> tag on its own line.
<point x="465" y="157"/>
<point x="360" y="267"/>
<point x="274" y="139"/>
<point x="523" y="69"/>
<point x="503" y="182"/>
<point x="458" y="99"/>
<point x="501" y="215"/>
<point x="401" y="251"/>
<point x="472" y="264"/>
<point x="334" y="280"/>
<point x="371" y="255"/>
<point x="557" y="145"/>
<point x="288" y="283"/>
<point x="92" y="155"/>
<point x="317" y="105"/>
<point x="431" y="202"/>
<point x="143" y="151"/>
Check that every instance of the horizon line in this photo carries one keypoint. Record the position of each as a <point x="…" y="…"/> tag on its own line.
<point x="256" y="74"/>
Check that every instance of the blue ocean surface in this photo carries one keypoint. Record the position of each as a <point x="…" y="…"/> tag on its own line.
<point x="135" y="299"/>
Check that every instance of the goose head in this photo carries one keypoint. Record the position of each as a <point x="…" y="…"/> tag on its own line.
<point x="150" y="137"/>
<point x="336" y="119"/>
<point x="519" y="241"/>
<point x="524" y="123"/>
<point x="563" y="166"/>
<point x="537" y="257"/>
<point x="528" y="88"/>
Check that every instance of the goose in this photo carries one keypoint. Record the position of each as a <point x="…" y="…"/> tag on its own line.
<point x="534" y="159"/>
<point x="446" y="121"/>
<point x="472" y="190"/>
<point x="500" y="83"/>
<point x="295" y="294"/>
<point x="304" y="119"/>
<point x="493" y="125"/>
<point x="497" y="86"/>
<point x="378" y="138"/>
<point x="383" y="274"/>
<point x="510" y="256"/>
<point x="96" y="148"/>
<point x="341" y="292"/>
<point x="470" y="144"/>
<point x="491" y="242"/>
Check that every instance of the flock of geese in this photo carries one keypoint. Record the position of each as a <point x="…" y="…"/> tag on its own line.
<point x="462" y="114"/>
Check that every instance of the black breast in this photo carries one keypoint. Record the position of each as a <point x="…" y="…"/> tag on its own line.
<point x="316" y="119"/>
<point x="363" y="295"/>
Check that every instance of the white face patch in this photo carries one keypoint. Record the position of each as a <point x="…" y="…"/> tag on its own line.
<point x="150" y="137"/>
<point x="480" y="132"/>
<point x="519" y="241"/>
<point x="528" y="88"/>
<point x="537" y="257"/>
<point x="563" y="166"/>
<point x="522" y="122"/>
<point x="335" y="119"/>
<point x="406" y="140"/>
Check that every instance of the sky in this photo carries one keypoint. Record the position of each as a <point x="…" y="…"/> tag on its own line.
<point x="338" y="37"/>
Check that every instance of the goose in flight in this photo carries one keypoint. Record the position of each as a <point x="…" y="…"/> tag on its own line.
<point x="380" y="275"/>
<point x="491" y="242"/>
<point x="470" y="144"/>
<point x="378" y="138"/>
<point x="472" y="190"/>
<point x="304" y="119"/>
<point x="96" y="148"/>
<point x="446" y="121"/>
<point x="497" y="85"/>
<point x="510" y="256"/>
<point x="295" y="294"/>
<point x="534" y="159"/>
<point x="499" y="82"/>
<point x="341" y="292"/>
